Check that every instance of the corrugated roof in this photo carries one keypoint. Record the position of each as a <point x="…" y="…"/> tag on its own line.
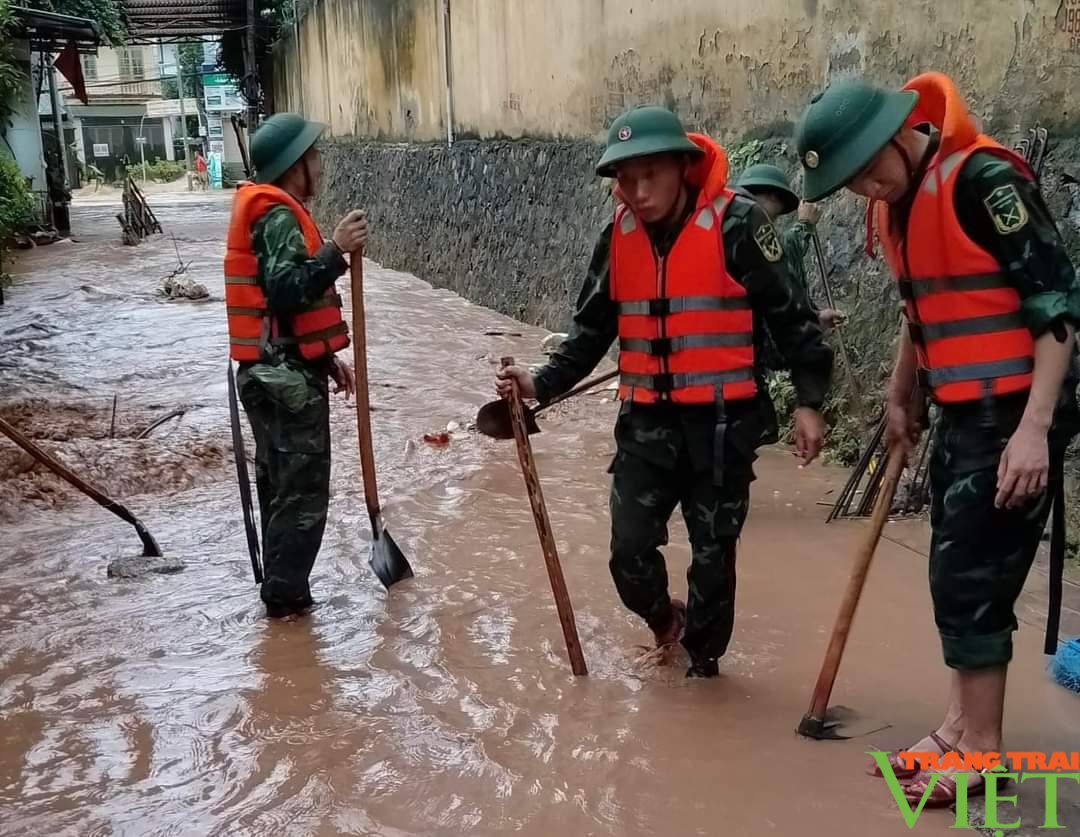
<point x="173" y="19"/>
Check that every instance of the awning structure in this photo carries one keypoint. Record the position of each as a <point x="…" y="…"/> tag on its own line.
<point x="174" y="20"/>
<point x="51" y="32"/>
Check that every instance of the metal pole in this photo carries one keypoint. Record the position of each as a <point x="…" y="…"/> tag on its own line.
<point x="183" y="116"/>
<point x="449" y="76"/>
<point x="57" y="124"/>
<point x="252" y="73"/>
<point x="296" y="36"/>
<point x="142" y="147"/>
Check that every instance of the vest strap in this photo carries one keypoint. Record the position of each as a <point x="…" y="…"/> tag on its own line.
<point x="663" y="307"/>
<point x="323" y="334"/>
<point x="241" y="280"/>
<point x="922" y="332"/>
<point x="669" y="382"/>
<point x="668" y="345"/>
<point x="934" y="378"/>
<point x="331" y="300"/>
<point x="236" y="311"/>
<point x="915" y="289"/>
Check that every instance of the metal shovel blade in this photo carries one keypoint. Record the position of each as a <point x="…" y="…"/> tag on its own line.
<point x="388" y="561"/>
<point x="839" y="724"/>
<point x="494" y="420"/>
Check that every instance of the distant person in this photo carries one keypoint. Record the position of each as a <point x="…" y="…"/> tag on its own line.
<point x="202" y="172"/>
<point x="770" y="188"/>
<point x="285" y="327"/>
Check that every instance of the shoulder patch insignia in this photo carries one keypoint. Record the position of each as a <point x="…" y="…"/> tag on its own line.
<point x="768" y="243"/>
<point x="1007" y="209"/>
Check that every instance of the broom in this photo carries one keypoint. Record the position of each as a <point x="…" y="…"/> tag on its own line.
<point x="1065" y="669"/>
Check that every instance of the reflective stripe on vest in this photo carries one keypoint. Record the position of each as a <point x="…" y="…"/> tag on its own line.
<point x="685" y="324"/>
<point x="964" y="315"/>
<point x="664" y="307"/>
<point x="674" y="381"/>
<point x="980" y="372"/>
<point x="316" y="330"/>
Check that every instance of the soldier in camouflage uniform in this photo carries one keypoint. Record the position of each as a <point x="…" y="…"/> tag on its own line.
<point x="993" y="305"/>
<point x="284" y="393"/>
<point x="770" y="188"/>
<point x="669" y="453"/>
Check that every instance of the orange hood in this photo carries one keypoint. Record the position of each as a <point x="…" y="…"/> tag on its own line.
<point x="941" y="105"/>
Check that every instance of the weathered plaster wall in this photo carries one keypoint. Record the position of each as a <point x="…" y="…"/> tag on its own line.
<point x="372" y="68"/>
<point x="376" y="68"/>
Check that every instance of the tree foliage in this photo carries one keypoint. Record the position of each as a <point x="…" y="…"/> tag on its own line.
<point x="273" y="16"/>
<point x="12" y="74"/>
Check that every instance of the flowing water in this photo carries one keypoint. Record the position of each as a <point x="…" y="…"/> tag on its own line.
<point x="171" y="705"/>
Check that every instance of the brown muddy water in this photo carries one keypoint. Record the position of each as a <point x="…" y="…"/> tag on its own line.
<point x="169" y="705"/>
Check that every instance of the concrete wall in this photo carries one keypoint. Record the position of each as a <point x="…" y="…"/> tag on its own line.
<point x="375" y="68"/>
<point x="23" y="135"/>
<point x="367" y="67"/>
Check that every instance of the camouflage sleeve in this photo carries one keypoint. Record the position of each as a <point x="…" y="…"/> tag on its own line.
<point x="796" y="242"/>
<point x="1003" y="212"/>
<point x="796" y="239"/>
<point x="592" y="331"/>
<point x="756" y="259"/>
<point x="290" y="278"/>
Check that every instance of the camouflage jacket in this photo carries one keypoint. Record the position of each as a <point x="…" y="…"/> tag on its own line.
<point x="290" y="278"/>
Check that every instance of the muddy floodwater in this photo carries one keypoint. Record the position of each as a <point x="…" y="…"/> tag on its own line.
<point x="170" y="705"/>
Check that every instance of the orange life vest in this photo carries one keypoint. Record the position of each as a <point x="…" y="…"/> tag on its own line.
<point x="686" y="329"/>
<point x="317" y="330"/>
<point x="963" y="313"/>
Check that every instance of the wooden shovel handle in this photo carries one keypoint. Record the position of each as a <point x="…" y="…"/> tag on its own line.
<point x="819" y="702"/>
<point x="363" y="401"/>
<point x="580" y="388"/>
<point x="543" y="529"/>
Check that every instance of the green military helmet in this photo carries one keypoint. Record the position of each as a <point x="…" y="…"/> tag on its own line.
<point x="642" y="131"/>
<point x="279" y="142"/>
<point x="767" y="177"/>
<point x="843" y="128"/>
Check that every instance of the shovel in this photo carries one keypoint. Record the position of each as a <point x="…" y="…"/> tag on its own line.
<point x="853" y="386"/>
<point x="387" y="559"/>
<point x="150" y="546"/>
<point x="840" y="722"/>
<point x="494" y="418"/>
<point x="543" y="530"/>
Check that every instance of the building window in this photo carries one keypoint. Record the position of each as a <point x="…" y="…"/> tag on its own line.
<point x="131" y="64"/>
<point x="89" y="63"/>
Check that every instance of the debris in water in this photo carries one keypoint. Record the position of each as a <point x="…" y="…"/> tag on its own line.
<point x="453" y="427"/>
<point x="493" y="332"/>
<point x="441" y="439"/>
<point x="140" y="566"/>
<point x="179" y="287"/>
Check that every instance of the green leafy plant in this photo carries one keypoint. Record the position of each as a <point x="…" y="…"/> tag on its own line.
<point x="161" y="171"/>
<point x="16" y="205"/>
<point x="12" y="74"/>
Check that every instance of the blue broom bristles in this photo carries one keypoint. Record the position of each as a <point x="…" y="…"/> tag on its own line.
<point x="1066" y="666"/>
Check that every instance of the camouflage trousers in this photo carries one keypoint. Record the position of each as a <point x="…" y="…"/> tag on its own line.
<point x="287" y="404"/>
<point x="643" y="498"/>
<point x="980" y="555"/>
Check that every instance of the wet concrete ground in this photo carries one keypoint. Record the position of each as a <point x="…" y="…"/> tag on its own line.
<point x="170" y="705"/>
